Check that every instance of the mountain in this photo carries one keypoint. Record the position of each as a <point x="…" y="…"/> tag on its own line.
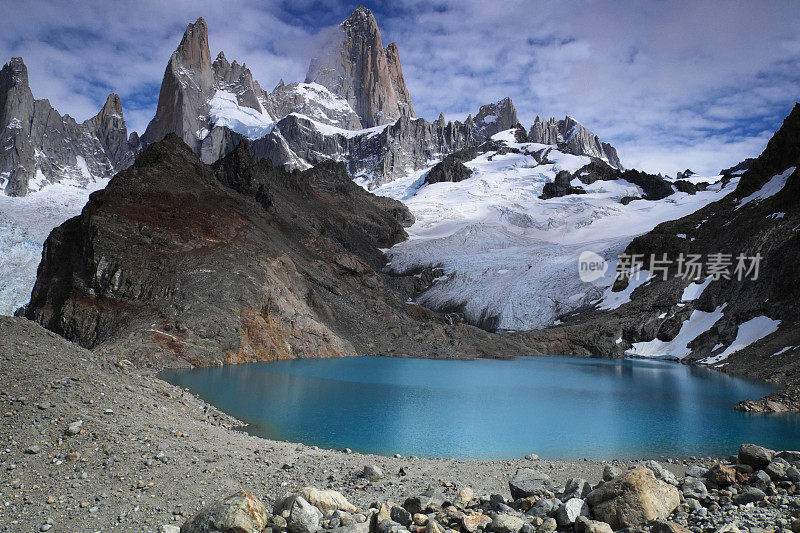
<point x="743" y="322"/>
<point x="574" y="138"/>
<point x="355" y="66"/>
<point x="41" y="147"/>
<point x="176" y="260"/>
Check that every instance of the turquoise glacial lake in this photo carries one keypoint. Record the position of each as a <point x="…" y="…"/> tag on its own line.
<point x="556" y="407"/>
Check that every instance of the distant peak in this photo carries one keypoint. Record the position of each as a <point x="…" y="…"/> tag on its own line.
<point x="193" y="51"/>
<point x="113" y="104"/>
<point x="17" y="71"/>
<point x="361" y="20"/>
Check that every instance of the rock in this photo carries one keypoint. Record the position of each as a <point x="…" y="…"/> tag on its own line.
<point x="663" y="526"/>
<point x="760" y="480"/>
<point x="372" y="472"/>
<point x="168" y="528"/>
<point x="570" y="511"/>
<point x="433" y="527"/>
<point x="420" y="519"/>
<point x="543" y="507"/>
<point x="610" y="472"/>
<point x="303" y="517"/>
<point x="756" y="456"/>
<point x="34" y="449"/>
<point x="401" y="516"/>
<point x="692" y="504"/>
<point x="777" y="470"/>
<point x="549" y="525"/>
<point x="585" y="525"/>
<point x="326" y="500"/>
<point x="793" y="474"/>
<point x="728" y="528"/>
<point x="696" y="471"/>
<point x="465" y="496"/>
<point x="748" y="495"/>
<point x="474" y="522"/>
<point x="575" y="138"/>
<point x="695" y="489"/>
<point x="529" y="482"/>
<point x="661" y="473"/>
<point x="721" y="475"/>
<point x="575" y="488"/>
<point x="74" y="428"/>
<point x="633" y="499"/>
<point x="532" y="457"/>
<point x="505" y="523"/>
<point x="238" y="513"/>
<point x="791" y="457"/>
<point x="423" y="503"/>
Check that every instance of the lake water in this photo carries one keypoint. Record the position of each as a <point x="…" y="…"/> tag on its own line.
<point x="556" y="407"/>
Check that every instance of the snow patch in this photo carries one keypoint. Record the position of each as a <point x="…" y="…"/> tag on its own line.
<point x="698" y="323"/>
<point x="226" y="111"/>
<point x="748" y="332"/>
<point x="694" y="290"/>
<point x="771" y="188"/>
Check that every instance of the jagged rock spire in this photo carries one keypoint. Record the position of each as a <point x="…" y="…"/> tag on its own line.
<point x="355" y="66"/>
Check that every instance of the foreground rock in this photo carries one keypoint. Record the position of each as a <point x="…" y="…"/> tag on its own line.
<point x="633" y="499"/>
<point x="239" y="513"/>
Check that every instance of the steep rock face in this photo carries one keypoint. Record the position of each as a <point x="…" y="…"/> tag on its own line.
<point x="494" y="118"/>
<point x="239" y="261"/>
<point x="190" y="83"/>
<point x="759" y="217"/>
<point x="572" y="137"/>
<point x="315" y="102"/>
<point x="40" y="146"/>
<point x="355" y="66"/>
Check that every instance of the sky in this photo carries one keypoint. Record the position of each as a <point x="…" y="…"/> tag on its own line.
<point x="671" y="84"/>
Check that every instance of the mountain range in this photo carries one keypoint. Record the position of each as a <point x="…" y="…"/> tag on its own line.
<point x="325" y="218"/>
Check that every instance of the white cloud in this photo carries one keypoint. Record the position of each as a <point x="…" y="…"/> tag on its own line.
<point x="671" y="84"/>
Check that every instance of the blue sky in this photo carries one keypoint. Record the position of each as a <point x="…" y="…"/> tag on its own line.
<point x="671" y="84"/>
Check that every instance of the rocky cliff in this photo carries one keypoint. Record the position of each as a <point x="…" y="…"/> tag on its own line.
<point x="239" y="261"/>
<point x="355" y="66"/>
<point x="40" y="146"/>
<point x="572" y="137"/>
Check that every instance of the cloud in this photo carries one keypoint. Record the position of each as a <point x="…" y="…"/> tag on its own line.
<point x="671" y="84"/>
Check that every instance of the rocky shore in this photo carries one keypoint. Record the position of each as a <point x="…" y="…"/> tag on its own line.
<point x="90" y="445"/>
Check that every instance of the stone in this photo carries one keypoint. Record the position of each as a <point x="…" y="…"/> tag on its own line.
<point x="465" y="496"/>
<point x="777" y="470"/>
<point x="74" y="428"/>
<point x="420" y="519"/>
<point x="529" y="482"/>
<point x="168" y="528"/>
<point x="791" y="457"/>
<point x="543" y="507"/>
<point x="34" y="449"/>
<point x="664" y="526"/>
<point x="721" y="475"/>
<point x="793" y="474"/>
<point x="585" y="525"/>
<point x="661" y="472"/>
<point x="238" y="513"/>
<point x="474" y="522"/>
<point x="633" y="499"/>
<point x="433" y="527"/>
<point x="610" y="472"/>
<point x="505" y="523"/>
<point x="570" y="511"/>
<point x="401" y="516"/>
<point x="303" y="517"/>
<point x="749" y="495"/>
<point x="696" y="471"/>
<point x="575" y="488"/>
<point x="372" y="472"/>
<point x="694" y="488"/>
<point x="760" y="480"/>
<point x="692" y="504"/>
<point x="549" y="525"/>
<point x="532" y="457"/>
<point x="423" y="503"/>
<point x="756" y="456"/>
<point x="326" y="500"/>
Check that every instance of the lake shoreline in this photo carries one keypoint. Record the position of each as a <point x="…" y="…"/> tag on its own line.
<point x="147" y="453"/>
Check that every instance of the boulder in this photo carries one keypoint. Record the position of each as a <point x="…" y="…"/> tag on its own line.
<point x="506" y="523"/>
<point x="464" y="497"/>
<point x="791" y="457"/>
<point x="570" y="511"/>
<point x="401" y="516"/>
<point x="428" y="502"/>
<point x="756" y="456"/>
<point x="633" y="499"/>
<point x="696" y="471"/>
<point x="326" y="500"/>
<point x="721" y="475"/>
<point x="694" y="488"/>
<point x="238" y="513"/>
<point x="663" y="526"/>
<point x="777" y="470"/>
<point x="749" y="495"/>
<point x="372" y="472"/>
<point x="303" y="517"/>
<point x="529" y="482"/>
<point x="575" y="488"/>
<point x="543" y="507"/>
<point x="610" y="472"/>
<point x="661" y="473"/>
<point x="585" y="525"/>
<point x="549" y="525"/>
<point x="759" y="480"/>
<point x="474" y="522"/>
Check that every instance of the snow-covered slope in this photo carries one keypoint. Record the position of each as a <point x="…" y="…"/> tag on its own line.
<point x="510" y="258"/>
<point x="25" y="223"/>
